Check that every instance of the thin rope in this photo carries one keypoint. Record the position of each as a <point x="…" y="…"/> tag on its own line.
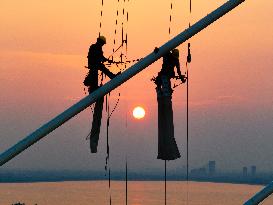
<point x="115" y="106"/>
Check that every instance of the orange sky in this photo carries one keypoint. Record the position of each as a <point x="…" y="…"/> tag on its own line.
<point x="43" y="48"/>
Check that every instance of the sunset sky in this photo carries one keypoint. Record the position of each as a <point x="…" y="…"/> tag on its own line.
<point x="43" y="49"/>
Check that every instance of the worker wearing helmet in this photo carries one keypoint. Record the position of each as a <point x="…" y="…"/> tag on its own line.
<point x="170" y="61"/>
<point x="95" y="63"/>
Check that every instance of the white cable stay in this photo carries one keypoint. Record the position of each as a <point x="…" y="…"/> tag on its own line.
<point x="261" y="195"/>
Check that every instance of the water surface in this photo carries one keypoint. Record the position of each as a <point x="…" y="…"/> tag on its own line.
<point x="139" y="193"/>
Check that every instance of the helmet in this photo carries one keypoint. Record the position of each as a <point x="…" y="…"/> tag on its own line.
<point x="102" y="39"/>
<point x="175" y="53"/>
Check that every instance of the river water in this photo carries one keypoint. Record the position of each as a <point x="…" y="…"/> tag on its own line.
<point x="139" y="193"/>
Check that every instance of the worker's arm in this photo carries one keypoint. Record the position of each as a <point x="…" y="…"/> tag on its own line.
<point x="103" y="59"/>
<point x="106" y="71"/>
<point x="182" y="77"/>
<point x="177" y="65"/>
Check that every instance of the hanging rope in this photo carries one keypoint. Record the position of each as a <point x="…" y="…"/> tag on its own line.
<point x="109" y="114"/>
<point x="101" y="17"/>
<point x="107" y="159"/>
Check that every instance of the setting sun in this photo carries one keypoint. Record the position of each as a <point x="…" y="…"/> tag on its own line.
<point x="138" y="112"/>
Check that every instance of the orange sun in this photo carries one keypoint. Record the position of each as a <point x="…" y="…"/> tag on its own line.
<point x="138" y="112"/>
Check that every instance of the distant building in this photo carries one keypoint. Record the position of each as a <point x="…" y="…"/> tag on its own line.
<point x="253" y="171"/>
<point x="212" y="168"/>
<point x="245" y="171"/>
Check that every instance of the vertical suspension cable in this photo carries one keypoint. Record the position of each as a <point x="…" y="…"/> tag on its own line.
<point x="122" y="31"/>
<point x="107" y="165"/>
<point x="165" y="182"/>
<point x="109" y="184"/>
<point x="187" y="129"/>
<point x="126" y="37"/>
<point x="125" y="19"/>
<point x="188" y="61"/>
<point x="116" y="25"/>
<point x="165" y="161"/>
<point x="170" y="18"/>
<point x="187" y="73"/>
<point x="187" y="124"/>
<point x="187" y="134"/>
<point x="126" y="178"/>
<point x="101" y="16"/>
<point x="126" y="160"/>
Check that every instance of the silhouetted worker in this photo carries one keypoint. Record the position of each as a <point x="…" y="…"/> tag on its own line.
<point x="167" y="147"/>
<point x="95" y="63"/>
<point x="170" y="60"/>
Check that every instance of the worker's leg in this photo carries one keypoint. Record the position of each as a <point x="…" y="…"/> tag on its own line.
<point x="167" y="147"/>
<point x="93" y="81"/>
<point x="96" y="124"/>
<point x="166" y="85"/>
<point x="158" y="83"/>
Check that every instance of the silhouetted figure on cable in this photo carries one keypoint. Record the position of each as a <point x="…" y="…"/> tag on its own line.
<point x="170" y="61"/>
<point x="167" y="147"/>
<point x="95" y="63"/>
